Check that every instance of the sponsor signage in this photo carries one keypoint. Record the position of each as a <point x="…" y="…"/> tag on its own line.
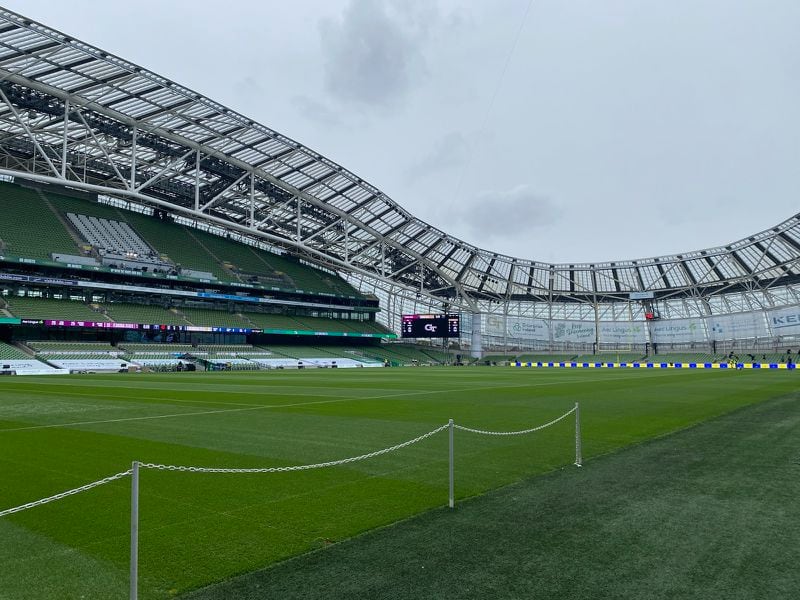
<point x="737" y="326"/>
<point x="641" y="295"/>
<point x="677" y="330"/>
<point x="189" y="328"/>
<point x="621" y="332"/>
<point x="530" y="329"/>
<point x="785" y="321"/>
<point x="573" y="331"/>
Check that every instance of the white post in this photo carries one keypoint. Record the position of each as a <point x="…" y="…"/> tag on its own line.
<point x="452" y="486"/>
<point x="134" y="530"/>
<point x="578" y="456"/>
<point x="476" y="345"/>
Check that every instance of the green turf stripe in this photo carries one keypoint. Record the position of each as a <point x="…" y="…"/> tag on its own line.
<point x="203" y="519"/>
<point x="710" y="512"/>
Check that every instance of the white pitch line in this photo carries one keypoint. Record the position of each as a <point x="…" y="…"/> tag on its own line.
<point x="78" y="423"/>
<point x="156" y="399"/>
<point x="296" y="404"/>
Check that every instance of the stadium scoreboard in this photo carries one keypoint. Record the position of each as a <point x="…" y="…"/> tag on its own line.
<point x="430" y="326"/>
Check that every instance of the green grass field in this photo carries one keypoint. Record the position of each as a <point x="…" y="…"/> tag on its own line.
<point x="197" y="529"/>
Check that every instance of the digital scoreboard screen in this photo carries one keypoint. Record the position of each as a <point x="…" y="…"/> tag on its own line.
<point x="430" y="326"/>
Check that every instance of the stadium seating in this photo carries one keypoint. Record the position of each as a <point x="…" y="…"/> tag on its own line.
<point x="610" y="357"/>
<point x="123" y="312"/>
<point x="368" y="327"/>
<point x="356" y="353"/>
<point x="195" y="249"/>
<point x="497" y="358"/>
<point x="19" y="208"/>
<point x="280" y="270"/>
<point x="179" y="244"/>
<point x="68" y="204"/>
<point x="273" y="321"/>
<point x="311" y="280"/>
<point x="289" y="357"/>
<point x="244" y="259"/>
<point x="89" y="364"/>
<point x="143" y="348"/>
<point x="227" y="349"/>
<point x="231" y="364"/>
<point x="301" y="323"/>
<point x="46" y="308"/>
<point x="192" y="249"/>
<point x="294" y="351"/>
<point x="345" y="325"/>
<point x="115" y="241"/>
<point x="9" y="352"/>
<point x="697" y="357"/>
<point x="51" y="347"/>
<point x="207" y="317"/>
<point x="55" y="356"/>
<point x="400" y="354"/>
<point x="548" y="358"/>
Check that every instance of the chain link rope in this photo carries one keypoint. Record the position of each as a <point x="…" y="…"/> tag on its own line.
<point x="322" y="465"/>
<point x="521" y="432"/>
<point x="284" y="469"/>
<point x="72" y="492"/>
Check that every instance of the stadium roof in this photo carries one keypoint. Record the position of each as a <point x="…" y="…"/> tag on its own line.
<point x="74" y="115"/>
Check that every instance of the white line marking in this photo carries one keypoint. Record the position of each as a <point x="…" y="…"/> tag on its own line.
<point x="296" y="404"/>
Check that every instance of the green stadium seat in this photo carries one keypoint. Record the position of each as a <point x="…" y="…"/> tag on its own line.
<point x="46" y="308"/>
<point x="9" y="352"/>
<point x="22" y="206"/>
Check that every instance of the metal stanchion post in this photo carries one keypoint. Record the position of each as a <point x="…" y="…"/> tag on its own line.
<point x="452" y="485"/>
<point x="134" y="530"/>
<point x="578" y="449"/>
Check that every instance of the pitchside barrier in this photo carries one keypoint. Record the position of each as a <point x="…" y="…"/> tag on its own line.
<point x="136" y="466"/>
<point x="651" y="365"/>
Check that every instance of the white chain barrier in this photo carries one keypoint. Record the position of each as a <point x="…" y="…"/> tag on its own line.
<point x="521" y="432"/>
<point x="285" y="469"/>
<point x="133" y="472"/>
<point x="72" y="492"/>
<point x="321" y="465"/>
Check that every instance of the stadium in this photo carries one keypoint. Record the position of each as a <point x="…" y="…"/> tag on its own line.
<point x="237" y="369"/>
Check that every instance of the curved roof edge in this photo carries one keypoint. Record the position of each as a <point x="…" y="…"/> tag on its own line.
<point x="150" y="136"/>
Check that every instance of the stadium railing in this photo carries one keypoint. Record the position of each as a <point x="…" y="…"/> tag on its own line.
<point x="136" y="466"/>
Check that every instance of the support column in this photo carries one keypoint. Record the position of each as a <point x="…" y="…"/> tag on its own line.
<point x="476" y="347"/>
<point x="252" y="199"/>
<point x="298" y="215"/>
<point x="64" y="140"/>
<point x="134" y="141"/>
<point x="505" y="329"/>
<point x="197" y="181"/>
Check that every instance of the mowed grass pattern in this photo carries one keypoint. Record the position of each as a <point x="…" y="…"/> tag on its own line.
<point x="57" y="433"/>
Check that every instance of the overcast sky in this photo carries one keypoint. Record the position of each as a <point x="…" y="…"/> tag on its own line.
<point x="556" y="130"/>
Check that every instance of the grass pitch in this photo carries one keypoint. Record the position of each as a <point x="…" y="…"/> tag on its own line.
<point x="709" y="513"/>
<point x="57" y="433"/>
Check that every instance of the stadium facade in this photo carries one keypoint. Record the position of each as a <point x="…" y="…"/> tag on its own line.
<point x="77" y="120"/>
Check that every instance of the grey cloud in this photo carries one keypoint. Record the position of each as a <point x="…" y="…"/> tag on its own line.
<point x="508" y="214"/>
<point x="372" y="56"/>
<point x="317" y="112"/>
<point x="248" y="88"/>
<point x="450" y="151"/>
